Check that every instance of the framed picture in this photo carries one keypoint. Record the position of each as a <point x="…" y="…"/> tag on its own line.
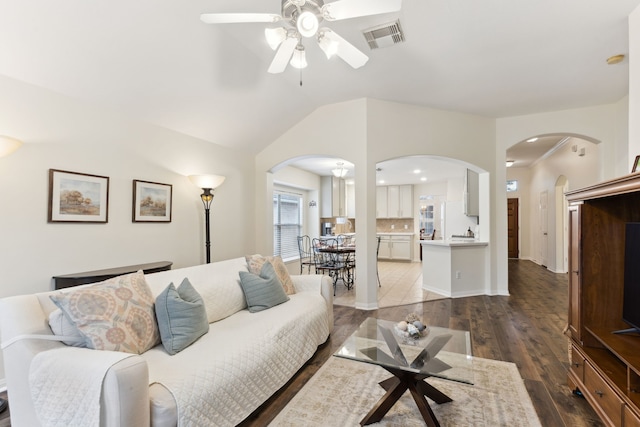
<point x="636" y="164"/>
<point x="151" y="201"/>
<point x="78" y="197"/>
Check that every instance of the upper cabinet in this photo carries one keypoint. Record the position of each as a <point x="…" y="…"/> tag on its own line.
<point x="471" y="195"/>
<point x="333" y="197"/>
<point x="394" y="201"/>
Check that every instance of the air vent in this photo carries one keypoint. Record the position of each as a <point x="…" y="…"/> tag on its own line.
<point x="384" y="35"/>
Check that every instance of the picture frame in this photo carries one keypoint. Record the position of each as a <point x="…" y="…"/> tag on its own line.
<point x="78" y="197"/>
<point x="636" y="164"/>
<point x="152" y="201"/>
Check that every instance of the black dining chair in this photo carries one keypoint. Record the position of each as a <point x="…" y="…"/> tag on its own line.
<point x="306" y="254"/>
<point x="327" y="261"/>
<point x="377" y="252"/>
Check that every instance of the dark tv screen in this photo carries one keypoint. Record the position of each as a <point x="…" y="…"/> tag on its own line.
<point x="631" y="300"/>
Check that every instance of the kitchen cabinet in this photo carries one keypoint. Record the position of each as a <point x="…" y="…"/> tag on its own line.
<point x="397" y="247"/>
<point x="471" y="196"/>
<point x="394" y="201"/>
<point x="351" y="200"/>
<point x="381" y="202"/>
<point x="333" y="197"/>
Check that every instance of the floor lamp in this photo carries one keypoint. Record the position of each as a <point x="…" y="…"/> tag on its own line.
<point x="208" y="183"/>
<point x="7" y="146"/>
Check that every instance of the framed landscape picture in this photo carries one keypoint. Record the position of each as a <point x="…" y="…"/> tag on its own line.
<point x="151" y="201"/>
<point x="78" y="197"/>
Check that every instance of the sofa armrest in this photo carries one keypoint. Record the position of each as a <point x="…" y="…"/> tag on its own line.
<point x="316" y="283"/>
<point x="125" y="389"/>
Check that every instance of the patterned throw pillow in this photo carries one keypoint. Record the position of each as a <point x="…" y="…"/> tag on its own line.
<point x="117" y="314"/>
<point x="255" y="263"/>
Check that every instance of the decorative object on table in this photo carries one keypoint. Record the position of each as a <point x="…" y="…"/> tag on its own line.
<point x="151" y="201"/>
<point x="78" y="197"/>
<point x="208" y="183"/>
<point x="636" y="163"/>
<point x="411" y="327"/>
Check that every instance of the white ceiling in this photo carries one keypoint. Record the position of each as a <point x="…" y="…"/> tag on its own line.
<point x="156" y="61"/>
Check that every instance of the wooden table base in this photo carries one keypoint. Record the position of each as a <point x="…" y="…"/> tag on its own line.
<point x="396" y="386"/>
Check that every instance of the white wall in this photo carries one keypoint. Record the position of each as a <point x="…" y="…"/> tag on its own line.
<point x="63" y="133"/>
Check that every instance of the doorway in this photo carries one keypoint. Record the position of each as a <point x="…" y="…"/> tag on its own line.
<point x="513" y="228"/>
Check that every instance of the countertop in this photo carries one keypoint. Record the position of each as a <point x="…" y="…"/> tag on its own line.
<point x="396" y="233"/>
<point x="453" y="243"/>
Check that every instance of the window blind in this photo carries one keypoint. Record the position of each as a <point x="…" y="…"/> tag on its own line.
<point x="287" y="224"/>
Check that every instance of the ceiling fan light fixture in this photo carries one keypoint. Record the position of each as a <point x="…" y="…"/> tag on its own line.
<point x="275" y="36"/>
<point x="307" y="24"/>
<point x="327" y="44"/>
<point x="298" y="59"/>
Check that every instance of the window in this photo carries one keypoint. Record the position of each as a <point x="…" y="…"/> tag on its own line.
<point x="512" y="185"/>
<point x="287" y="224"/>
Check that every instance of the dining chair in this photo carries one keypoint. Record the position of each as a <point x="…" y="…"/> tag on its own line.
<point x="327" y="261"/>
<point x="306" y="254"/>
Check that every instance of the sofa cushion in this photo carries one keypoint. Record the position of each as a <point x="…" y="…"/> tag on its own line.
<point x="61" y="326"/>
<point x="182" y="318"/>
<point x="262" y="291"/>
<point x="116" y="314"/>
<point x="255" y="263"/>
<point x="217" y="283"/>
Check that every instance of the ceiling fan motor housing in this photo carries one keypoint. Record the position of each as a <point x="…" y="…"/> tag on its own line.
<point x="291" y="9"/>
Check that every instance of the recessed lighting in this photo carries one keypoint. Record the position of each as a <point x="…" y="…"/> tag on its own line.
<point x="416" y="171"/>
<point x="532" y="139"/>
<point x="615" y="59"/>
<point x="510" y="163"/>
<point x="424" y="178"/>
<point x="381" y="181"/>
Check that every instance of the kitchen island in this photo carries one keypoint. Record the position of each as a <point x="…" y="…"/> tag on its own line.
<point x="455" y="268"/>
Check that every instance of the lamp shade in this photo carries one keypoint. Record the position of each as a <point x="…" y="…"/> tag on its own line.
<point x="275" y="36"/>
<point x="207" y="181"/>
<point x="307" y="24"/>
<point x="299" y="59"/>
<point x="8" y="145"/>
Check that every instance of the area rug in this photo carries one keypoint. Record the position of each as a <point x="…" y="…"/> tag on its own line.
<point x="343" y="391"/>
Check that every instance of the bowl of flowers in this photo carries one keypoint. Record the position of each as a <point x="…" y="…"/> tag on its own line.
<point x="411" y="327"/>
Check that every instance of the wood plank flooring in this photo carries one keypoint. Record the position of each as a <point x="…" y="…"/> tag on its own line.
<point x="524" y="328"/>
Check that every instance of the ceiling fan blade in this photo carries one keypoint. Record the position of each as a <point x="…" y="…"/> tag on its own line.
<point x="283" y="55"/>
<point x="345" y="9"/>
<point x="238" y="18"/>
<point x="345" y="50"/>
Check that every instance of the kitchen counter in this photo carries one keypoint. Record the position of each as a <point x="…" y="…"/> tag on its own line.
<point x="455" y="268"/>
<point x="453" y="243"/>
<point x="395" y="233"/>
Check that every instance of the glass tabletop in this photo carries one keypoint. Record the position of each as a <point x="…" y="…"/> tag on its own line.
<point x="438" y="352"/>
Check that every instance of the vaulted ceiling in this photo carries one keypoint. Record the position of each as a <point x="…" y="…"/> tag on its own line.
<point x="154" y="60"/>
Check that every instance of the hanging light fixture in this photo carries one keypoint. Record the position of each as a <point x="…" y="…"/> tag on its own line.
<point x="298" y="59"/>
<point x="307" y="24"/>
<point x="340" y="171"/>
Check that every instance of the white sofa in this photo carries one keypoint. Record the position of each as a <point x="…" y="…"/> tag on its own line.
<point x="218" y="380"/>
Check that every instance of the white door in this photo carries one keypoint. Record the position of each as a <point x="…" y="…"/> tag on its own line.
<point x="544" y="230"/>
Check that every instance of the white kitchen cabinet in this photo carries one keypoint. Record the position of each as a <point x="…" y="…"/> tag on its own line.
<point x="396" y="247"/>
<point x="351" y="200"/>
<point x="333" y="197"/>
<point x="471" y="196"/>
<point x="381" y="202"/>
<point x="398" y="202"/>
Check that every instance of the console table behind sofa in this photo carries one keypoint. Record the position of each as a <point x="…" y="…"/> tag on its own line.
<point x="69" y="280"/>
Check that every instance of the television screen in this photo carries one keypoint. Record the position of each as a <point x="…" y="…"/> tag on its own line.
<point x="631" y="299"/>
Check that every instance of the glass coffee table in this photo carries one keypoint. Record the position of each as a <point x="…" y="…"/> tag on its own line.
<point x="441" y="353"/>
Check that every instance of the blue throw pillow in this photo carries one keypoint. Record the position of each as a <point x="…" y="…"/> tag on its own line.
<point x="263" y="291"/>
<point x="182" y="317"/>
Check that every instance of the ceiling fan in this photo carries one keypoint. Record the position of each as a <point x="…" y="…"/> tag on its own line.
<point x="303" y="19"/>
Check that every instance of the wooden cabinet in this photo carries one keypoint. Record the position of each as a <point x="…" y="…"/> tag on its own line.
<point x="605" y="367"/>
<point x="333" y="197"/>
<point x="394" y="201"/>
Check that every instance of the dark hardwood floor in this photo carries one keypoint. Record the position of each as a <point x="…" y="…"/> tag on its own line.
<point x="524" y="328"/>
